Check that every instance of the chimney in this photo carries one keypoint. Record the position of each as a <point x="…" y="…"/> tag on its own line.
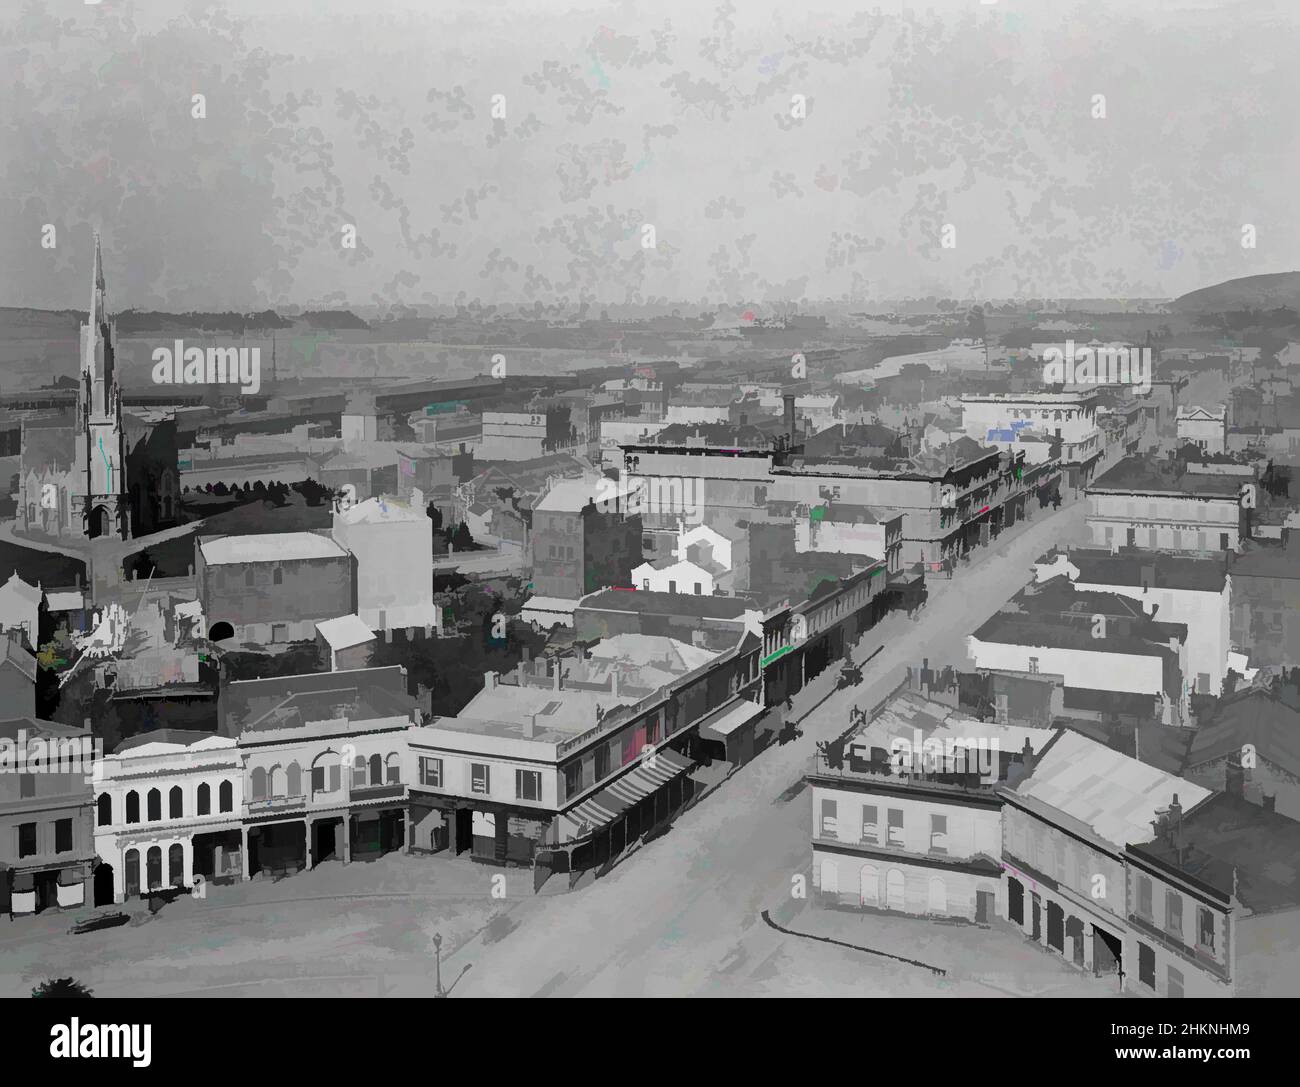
<point x="613" y="681"/>
<point x="530" y="725"/>
<point x="1028" y="757"/>
<point x="489" y="681"/>
<point x="1269" y="801"/>
<point x="557" y="676"/>
<point x="788" y="399"/>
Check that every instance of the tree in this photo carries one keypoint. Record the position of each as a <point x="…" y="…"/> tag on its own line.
<point x="461" y="538"/>
<point x="62" y="987"/>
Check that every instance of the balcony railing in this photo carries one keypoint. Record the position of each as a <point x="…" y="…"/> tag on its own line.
<point x="276" y="803"/>
<point x="382" y="791"/>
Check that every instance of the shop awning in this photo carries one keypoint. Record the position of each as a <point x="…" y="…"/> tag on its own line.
<point x="612" y="801"/>
<point x="733" y="717"/>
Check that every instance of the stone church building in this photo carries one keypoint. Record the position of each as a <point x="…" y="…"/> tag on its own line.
<point x="102" y="471"/>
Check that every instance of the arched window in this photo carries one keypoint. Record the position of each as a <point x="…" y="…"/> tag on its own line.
<point x="175" y="803"/>
<point x="133" y="807"/>
<point x="938" y="896"/>
<point x="259" y="783"/>
<point x="393" y="769"/>
<point x="376" y="770"/>
<point x="293" y="780"/>
<point x="153" y="868"/>
<point x="154" y="803"/>
<point x="227" y="796"/>
<point x="830" y="877"/>
<point x="105" y="809"/>
<point x="131" y="874"/>
<point x="204" y="799"/>
<point x="326" y="771"/>
<point x="895" y="890"/>
<point x="276" y="781"/>
<point x="176" y="865"/>
<point x="869" y="883"/>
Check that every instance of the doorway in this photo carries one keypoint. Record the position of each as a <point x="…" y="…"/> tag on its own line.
<point x="464" y="830"/>
<point x="104" y="885"/>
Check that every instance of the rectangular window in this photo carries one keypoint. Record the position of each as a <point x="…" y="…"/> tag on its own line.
<point x="602" y="762"/>
<point x="318" y="779"/>
<point x="63" y="836"/>
<point x="573" y="778"/>
<point x="277" y="577"/>
<point x="938" y="834"/>
<point x="870" y="824"/>
<point x="26" y="839"/>
<point x="1146" y="966"/>
<point x="829" y="823"/>
<point x="480" y="780"/>
<point x="431" y="772"/>
<point x="1174" y="913"/>
<point x="528" y="784"/>
<point x="1205" y="929"/>
<point x="1175" y="988"/>
<point x="1144" y="896"/>
<point x="336" y="778"/>
<point x="896" y="827"/>
<point x="248" y="578"/>
<point x="652" y="730"/>
<point x="1033" y="666"/>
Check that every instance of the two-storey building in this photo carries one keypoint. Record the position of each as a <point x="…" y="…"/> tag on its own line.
<point x="169" y="812"/>
<point x="1066" y="829"/>
<point x="47" y="846"/>
<point x="906" y="815"/>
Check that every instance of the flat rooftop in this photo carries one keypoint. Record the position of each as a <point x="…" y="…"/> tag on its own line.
<point x="269" y="547"/>
<point x="1139" y="474"/>
<point x="652" y="603"/>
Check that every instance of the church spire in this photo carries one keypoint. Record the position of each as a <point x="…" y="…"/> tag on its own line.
<point x="97" y="307"/>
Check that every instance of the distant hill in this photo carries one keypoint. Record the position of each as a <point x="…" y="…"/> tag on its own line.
<point x="1266" y="292"/>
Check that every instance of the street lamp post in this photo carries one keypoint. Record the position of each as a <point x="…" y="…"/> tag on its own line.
<point x="437" y="961"/>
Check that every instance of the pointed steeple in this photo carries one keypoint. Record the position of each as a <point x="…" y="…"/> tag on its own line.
<point x="97" y="307"/>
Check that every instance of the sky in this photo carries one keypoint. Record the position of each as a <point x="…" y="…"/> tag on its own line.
<point x="955" y="149"/>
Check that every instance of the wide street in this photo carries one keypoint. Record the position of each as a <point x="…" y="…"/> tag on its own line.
<point x="684" y="916"/>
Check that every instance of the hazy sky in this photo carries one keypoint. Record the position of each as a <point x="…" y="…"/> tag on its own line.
<point x="378" y="113"/>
